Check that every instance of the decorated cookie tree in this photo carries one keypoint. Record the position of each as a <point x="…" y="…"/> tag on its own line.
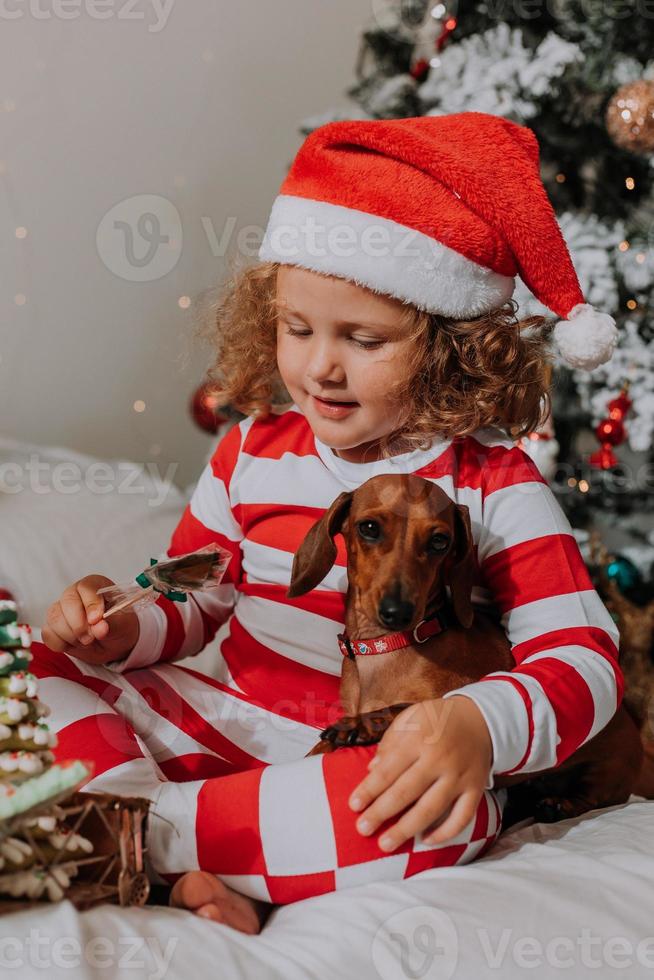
<point x="25" y="738"/>
<point x="29" y="778"/>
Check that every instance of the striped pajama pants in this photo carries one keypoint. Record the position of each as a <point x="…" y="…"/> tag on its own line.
<point x="277" y="830"/>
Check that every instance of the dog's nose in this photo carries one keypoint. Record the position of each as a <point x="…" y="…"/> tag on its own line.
<point x="395" y="613"/>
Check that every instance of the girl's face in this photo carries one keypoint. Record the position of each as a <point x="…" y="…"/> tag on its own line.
<point x="342" y="342"/>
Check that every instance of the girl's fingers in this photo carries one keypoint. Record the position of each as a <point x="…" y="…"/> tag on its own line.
<point x="409" y="786"/>
<point x="93" y="603"/>
<point x="462" y="813"/>
<point x="53" y="641"/>
<point x="59" y="625"/>
<point x="388" y="767"/>
<point x="100" y="630"/>
<point x="74" y="612"/>
<point x="432" y="804"/>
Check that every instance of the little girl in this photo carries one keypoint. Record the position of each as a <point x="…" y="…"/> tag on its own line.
<point x="382" y="306"/>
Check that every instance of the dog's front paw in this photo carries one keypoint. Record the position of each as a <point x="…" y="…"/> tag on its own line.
<point x="345" y="731"/>
<point x="363" y="729"/>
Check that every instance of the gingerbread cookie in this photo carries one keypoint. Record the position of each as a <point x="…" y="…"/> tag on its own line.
<point x="17" y="854"/>
<point x="39" y="827"/>
<point x="19" y="684"/>
<point x="73" y="845"/>
<point x="27" y="736"/>
<point x="34" y="883"/>
<point x="18" y="765"/>
<point x="14" y="710"/>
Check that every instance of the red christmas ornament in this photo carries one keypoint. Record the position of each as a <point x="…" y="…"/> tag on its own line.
<point x="6" y="596"/>
<point x="420" y="70"/>
<point x="619" y="407"/>
<point x="611" y="431"/>
<point x="448" y="27"/>
<point x="204" y="409"/>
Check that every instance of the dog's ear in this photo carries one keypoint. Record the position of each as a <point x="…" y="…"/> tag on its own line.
<point x="459" y="574"/>
<point x="317" y="553"/>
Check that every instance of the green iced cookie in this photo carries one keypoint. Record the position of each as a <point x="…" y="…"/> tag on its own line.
<point x="11" y="660"/>
<point x="14" y="635"/>
<point x="8" y="612"/>
<point x="60" y="779"/>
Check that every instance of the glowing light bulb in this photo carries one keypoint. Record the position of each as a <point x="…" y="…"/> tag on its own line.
<point x="139" y="406"/>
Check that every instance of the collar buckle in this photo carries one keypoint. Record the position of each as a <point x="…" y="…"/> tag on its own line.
<point x="435" y="624"/>
<point x="415" y="632"/>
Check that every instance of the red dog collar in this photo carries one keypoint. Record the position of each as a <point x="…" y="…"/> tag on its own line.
<point x="425" y="629"/>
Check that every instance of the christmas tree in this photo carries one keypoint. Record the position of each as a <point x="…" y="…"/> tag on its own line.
<point x="581" y="76"/>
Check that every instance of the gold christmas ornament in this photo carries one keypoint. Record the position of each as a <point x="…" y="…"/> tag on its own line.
<point x="630" y="117"/>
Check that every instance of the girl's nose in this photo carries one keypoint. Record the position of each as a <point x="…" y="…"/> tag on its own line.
<point x="324" y="364"/>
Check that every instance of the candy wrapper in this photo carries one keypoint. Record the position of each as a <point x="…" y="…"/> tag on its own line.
<point x="173" y="577"/>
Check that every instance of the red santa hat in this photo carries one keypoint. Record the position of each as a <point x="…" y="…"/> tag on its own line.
<point x="438" y="211"/>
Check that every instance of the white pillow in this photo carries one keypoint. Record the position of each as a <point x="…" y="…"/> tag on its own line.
<point x="64" y="514"/>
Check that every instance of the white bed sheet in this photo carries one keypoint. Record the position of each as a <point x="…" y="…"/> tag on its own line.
<point x="567" y="899"/>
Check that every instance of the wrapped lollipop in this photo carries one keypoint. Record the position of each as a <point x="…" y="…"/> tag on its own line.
<point x="174" y="578"/>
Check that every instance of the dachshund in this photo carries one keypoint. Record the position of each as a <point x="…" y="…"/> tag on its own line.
<point x="406" y="640"/>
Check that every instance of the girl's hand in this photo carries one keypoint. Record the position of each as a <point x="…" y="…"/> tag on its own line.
<point x="437" y="753"/>
<point x="75" y="624"/>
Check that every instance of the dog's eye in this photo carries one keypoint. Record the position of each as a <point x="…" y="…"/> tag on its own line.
<point x="438" y="543"/>
<point x="369" y="530"/>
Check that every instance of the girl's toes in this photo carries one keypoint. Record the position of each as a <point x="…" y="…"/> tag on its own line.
<point x="194" y="889"/>
<point x="207" y="896"/>
<point x="242" y="918"/>
<point x="210" y="911"/>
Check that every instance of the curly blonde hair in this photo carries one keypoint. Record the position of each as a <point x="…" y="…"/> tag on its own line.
<point x="492" y="370"/>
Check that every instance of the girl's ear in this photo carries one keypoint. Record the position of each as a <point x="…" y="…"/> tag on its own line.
<point x="460" y="573"/>
<point x="317" y="553"/>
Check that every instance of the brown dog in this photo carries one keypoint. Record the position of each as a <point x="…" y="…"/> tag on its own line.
<point x="406" y="541"/>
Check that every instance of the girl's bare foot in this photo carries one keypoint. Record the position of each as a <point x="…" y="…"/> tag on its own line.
<point x="205" y="895"/>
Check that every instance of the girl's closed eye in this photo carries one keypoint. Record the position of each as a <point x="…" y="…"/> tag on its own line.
<point x="365" y="344"/>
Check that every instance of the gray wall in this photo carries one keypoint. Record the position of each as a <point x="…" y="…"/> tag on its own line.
<point x="201" y="110"/>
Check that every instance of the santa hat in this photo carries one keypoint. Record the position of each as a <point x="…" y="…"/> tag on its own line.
<point x="438" y="211"/>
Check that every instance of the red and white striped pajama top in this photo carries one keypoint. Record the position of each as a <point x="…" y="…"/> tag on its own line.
<point x="223" y="757"/>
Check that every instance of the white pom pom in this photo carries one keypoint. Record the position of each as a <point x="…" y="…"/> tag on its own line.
<point x="587" y="338"/>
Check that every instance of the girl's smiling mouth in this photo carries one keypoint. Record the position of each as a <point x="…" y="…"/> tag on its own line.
<point x="333" y="409"/>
